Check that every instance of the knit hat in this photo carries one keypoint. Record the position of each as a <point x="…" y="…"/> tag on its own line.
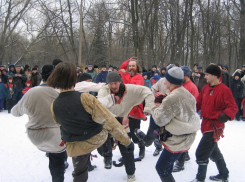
<point x="90" y="65"/>
<point x="84" y="77"/>
<point x="46" y="71"/>
<point x="156" y="71"/>
<point x="237" y="74"/>
<point x="103" y="66"/>
<point x="213" y="70"/>
<point x="56" y="61"/>
<point x="199" y="68"/>
<point x="170" y="66"/>
<point x="154" y="66"/>
<point x="175" y="76"/>
<point x="144" y="73"/>
<point x="34" y="68"/>
<point x="226" y="67"/>
<point x="164" y="68"/>
<point x="113" y="77"/>
<point x="96" y="66"/>
<point x="186" y="70"/>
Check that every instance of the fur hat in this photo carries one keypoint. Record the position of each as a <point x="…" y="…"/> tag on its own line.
<point x="84" y="77"/>
<point x="213" y="70"/>
<point x="113" y="77"/>
<point x="186" y="70"/>
<point x="175" y="76"/>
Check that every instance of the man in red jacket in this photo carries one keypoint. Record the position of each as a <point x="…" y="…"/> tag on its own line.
<point x="130" y="72"/>
<point x="218" y="106"/>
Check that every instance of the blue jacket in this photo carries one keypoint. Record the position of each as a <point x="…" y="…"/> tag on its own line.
<point x="147" y="83"/>
<point x="2" y="91"/>
<point x="8" y="96"/>
<point x="101" y="77"/>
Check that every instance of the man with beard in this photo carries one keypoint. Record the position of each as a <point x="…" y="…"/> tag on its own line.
<point x="35" y="77"/>
<point x="122" y="98"/>
<point x="130" y="72"/>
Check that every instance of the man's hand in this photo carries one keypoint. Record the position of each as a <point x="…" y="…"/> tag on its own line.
<point x="125" y="121"/>
<point x="122" y="70"/>
<point x="117" y="97"/>
<point x="158" y="93"/>
<point x="223" y="118"/>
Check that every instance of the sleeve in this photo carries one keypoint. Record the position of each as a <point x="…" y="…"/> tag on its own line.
<point x="124" y="65"/>
<point x="107" y="101"/>
<point x="88" y="87"/>
<point x="52" y="111"/>
<point x="241" y="91"/>
<point x="20" y="108"/>
<point x="230" y="104"/>
<point x="102" y="116"/>
<point x="199" y="101"/>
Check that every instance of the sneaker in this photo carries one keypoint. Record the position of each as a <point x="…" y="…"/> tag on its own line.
<point x="131" y="178"/>
<point x="196" y="180"/>
<point x="157" y="152"/>
<point x="219" y="178"/>
<point x="108" y="162"/>
<point x="139" y="134"/>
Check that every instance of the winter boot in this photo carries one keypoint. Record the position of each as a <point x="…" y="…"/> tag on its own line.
<point x="91" y="167"/>
<point x="66" y="164"/>
<point x="131" y="178"/>
<point x="142" y="150"/>
<point x="196" y="180"/>
<point x="221" y="166"/>
<point x="120" y="159"/>
<point x="168" y="178"/>
<point x="219" y="178"/>
<point x="202" y="170"/>
<point x="147" y="138"/>
<point x="157" y="152"/>
<point x="139" y="134"/>
<point x="108" y="162"/>
<point x="187" y="157"/>
<point x="178" y="167"/>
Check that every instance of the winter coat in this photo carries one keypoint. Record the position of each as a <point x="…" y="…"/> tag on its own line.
<point x="2" y="91"/>
<point x="243" y="81"/>
<point x="177" y="113"/>
<point x="150" y="74"/>
<point x="101" y="78"/>
<point x="99" y="115"/>
<point x="20" y="81"/>
<point x="192" y="88"/>
<point x="133" y="95"/>
<point x="160" y="86"/>
<point x="35" y="79"/>
<point x="41" y="129"/>
<point x="237" y="88"/>
<point x="88" y="86"/>
<point x="26" y="89"/>
<point x="153" y="80"/>
<point x="8" y="86"/>
<point x="93" y="75"/>
<point x="147" y="83"/>
<point x="11" y="73"/>
<point x="213" y="101"/>
<point x="201" y="82"/>
<point x="225" y="78"/>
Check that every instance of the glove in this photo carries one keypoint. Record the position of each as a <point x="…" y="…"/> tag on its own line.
<point x="130" y="147"/>
<point x="223" y="118"/>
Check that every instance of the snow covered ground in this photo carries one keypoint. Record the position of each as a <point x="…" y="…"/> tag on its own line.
<point x="21" y="161"/>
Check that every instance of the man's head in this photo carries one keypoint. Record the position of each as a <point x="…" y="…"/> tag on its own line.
<point x="34" y="70"/>
<point x="56" y="62"/>
<point x="115" y="68"/>
<point x="12" y="68"/>
<point x="174" y="77"/>
<point x="144" y="75"/>
<point x="114" y="80"/>
<point x="90" y="67"/>
<point x="243" y="67"/>
<point x="103" y="68"/>
<point x="237" y="75"/>
<point x="111" y="67"/>
<point x="163" y="70"/>
<point x="195" y="66"/>
<point x="18" y="68"/>
<point x="85" y="77"/>
<point x="187" y="72"/>
<point x="2" y="67"/>
<point x="199" y="69"/>
<point x="154" y="67"/>
<point x="225" y="68"/>
<point x="134" y="67"/>
<point x="46" y="71"/>
<point x="212" y="74"/>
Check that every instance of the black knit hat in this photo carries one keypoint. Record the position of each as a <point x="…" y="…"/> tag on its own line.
<point x="35" y="68"/>
<point x="84" y="77"/>
<point x="213" y="70"/>
<point x="46" y="71"/>
<point x="56" y="61"/>
<point x="113" y="77"/>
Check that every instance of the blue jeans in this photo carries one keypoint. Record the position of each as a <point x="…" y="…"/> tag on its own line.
<point x="165" y="163"/>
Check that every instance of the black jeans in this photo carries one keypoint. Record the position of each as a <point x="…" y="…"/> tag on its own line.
<point x="133" y="124"/>
<point x="57" y="166"/>
<point x="106" y="148"/>
<point x="206" y="149"/>
<point x="80" y="164"/>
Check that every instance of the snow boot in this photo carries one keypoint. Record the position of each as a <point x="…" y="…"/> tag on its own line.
<point x="178" y="167"/>
<point x="131" y="178"/>
<point x="66" y="164"/>
<point x="91" y="167"/>
<point x="219" y="178"/>
<point x="187" y="157"/>
<point x="168" y="178"/>
<point x="202" y="170"/>
<point x="139" y="134"/>
<point x="142" y="150"/>
<point x="108" y="162"/>
<point x="221" y="166"/>
<point x="146" y="138"/>
<point x="157" y="152"/>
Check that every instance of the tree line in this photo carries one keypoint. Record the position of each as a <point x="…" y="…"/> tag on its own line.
<point x="156" y="31"/>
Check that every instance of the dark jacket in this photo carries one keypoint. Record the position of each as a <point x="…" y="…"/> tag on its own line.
<point x="150" y="74"/>
<point x="2" y="91"/>
<point x="20" y="81"/>
<point x="201" y="82"/>
<point x="101" y="77"/>
<point x="11" y="73"/>
<point x="7" y="89"/>
<point x="35" y="79"/>
<point x="226" y="79"/>
<point x="237" y="88"/>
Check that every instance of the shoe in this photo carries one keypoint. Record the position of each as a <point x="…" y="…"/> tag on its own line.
<point x="120" y="159"/>
<point x="187" y="157"/>
<point x="178" y="167"/>
<point x="91" y="167"/>
<point x="108" y="162"/>
<point x="142" y="150"/>
<point x="238" y="118"/>
<point x="66" y="165"/>
<point x="139" y="134"/>
<point x="157" y="152"/>
<point x="196" y="180"/>
<point x="131" y="178"/>
<point x="219" y="178"/>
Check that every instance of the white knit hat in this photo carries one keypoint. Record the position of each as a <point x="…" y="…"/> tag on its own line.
<point x="175" y="76"/>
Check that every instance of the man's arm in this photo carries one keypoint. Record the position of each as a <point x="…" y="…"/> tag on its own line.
<point x="20" y="108"/>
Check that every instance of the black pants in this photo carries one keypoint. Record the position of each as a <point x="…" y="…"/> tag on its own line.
<point x="106" y="148"/>
<point x="206" y="149"/>
<point x="133" y="124"/>
<point x="57" y="166"/>
<point x="18" y="97"/>
<point x="238" y="103"/>
<point x="80" y="164"/>
<point x="9" y="104"/>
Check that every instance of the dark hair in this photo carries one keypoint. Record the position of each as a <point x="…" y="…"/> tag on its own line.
<point x="64" y="76"/>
